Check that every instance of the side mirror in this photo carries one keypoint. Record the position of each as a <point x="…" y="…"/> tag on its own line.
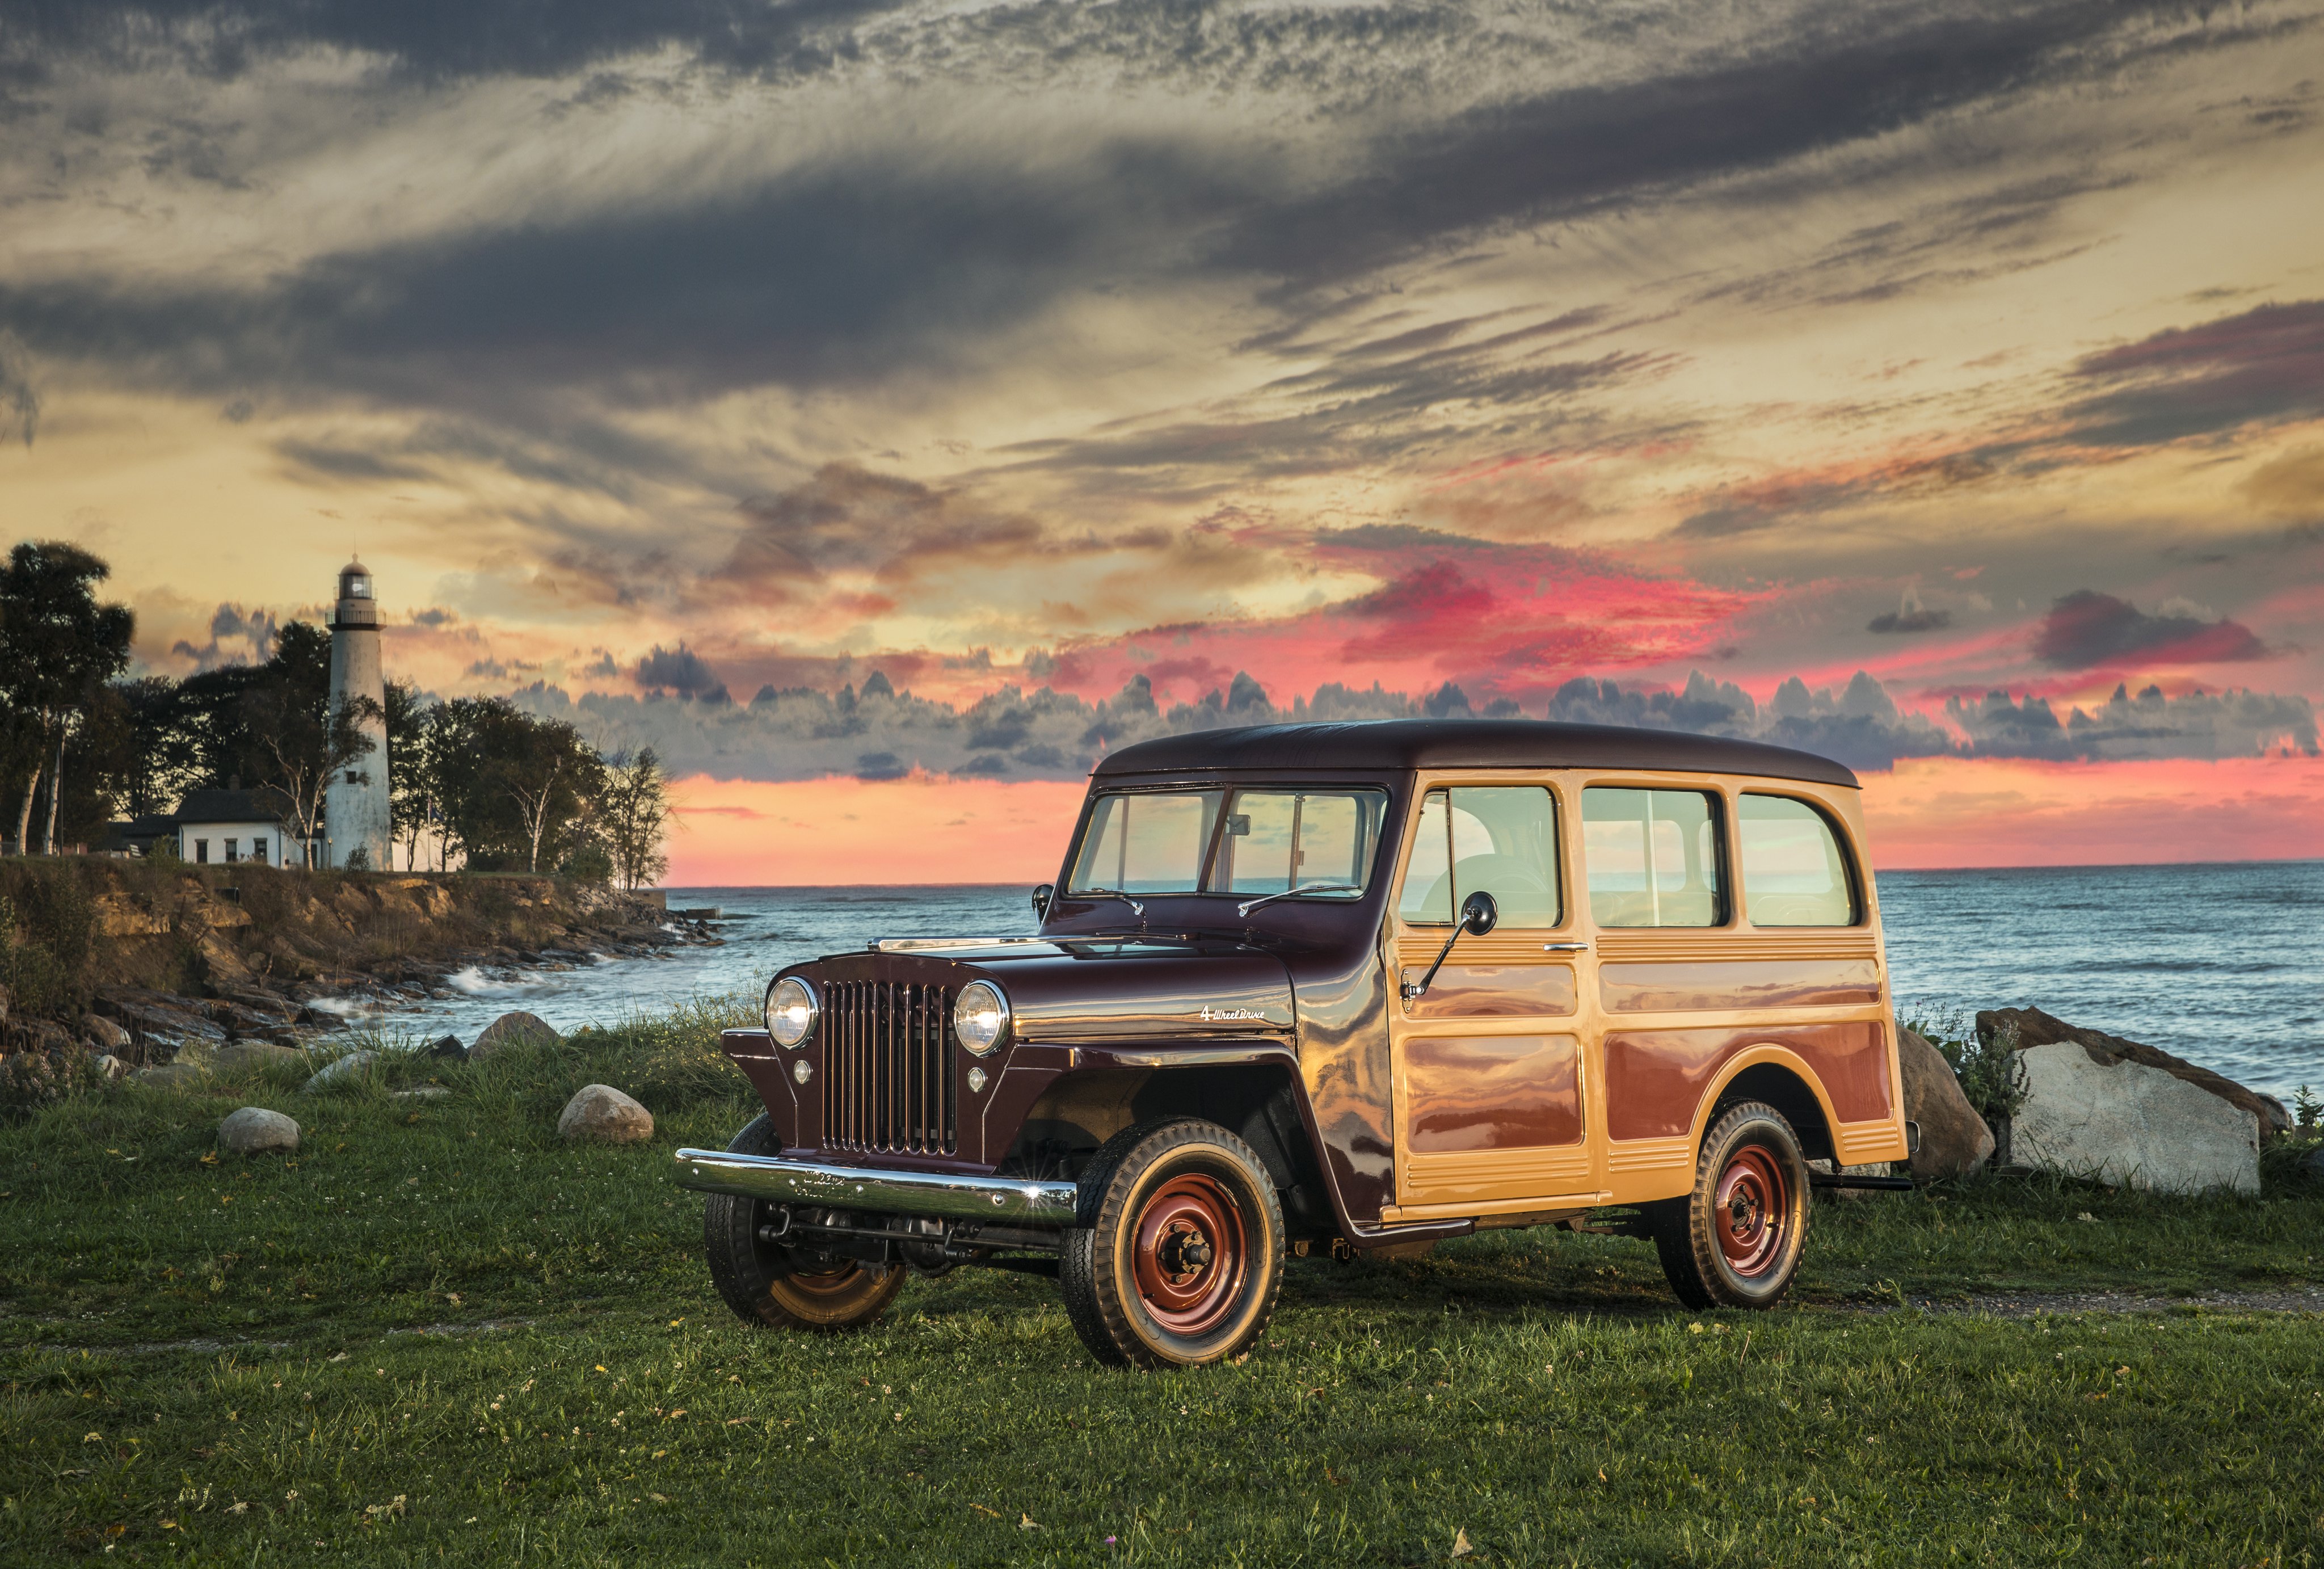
<point x="1480" y="914"/>
<point x="1043" y="896"/>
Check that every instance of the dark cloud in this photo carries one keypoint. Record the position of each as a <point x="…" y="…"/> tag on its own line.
<point x="2207" y="725"/>
<point x="20" y="402"/>
<point x="837" y="274"/>
<point x="434" y="40"/>
<point x="1910" y="620"/>
<point x="2265" y="364"/>
<point x="881" y="731"/>
<point x="2084" y="629"/>
<point x="680" y="672"/>
<point x="1570" y="153"/>
<point x="237" y="637"/>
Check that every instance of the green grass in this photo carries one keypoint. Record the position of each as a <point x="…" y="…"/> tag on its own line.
<point x="437" y="1334"/>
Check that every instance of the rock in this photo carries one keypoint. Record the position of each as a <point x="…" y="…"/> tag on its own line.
<point x="103" y="1034"/>
<point x="222" y="962"/>
<point x="109" y="1066"/>
<point x="448" y="1046"/>
<point x="603" y="1113"/>
<point x="172" y="1076"/>
<point x="253" y="1129"/>
<point x="248" y="1056"/>
<point x="2098" y="1106"/>
<point x="424" y="1093"/>
<point x="1954" y="1140"/>
<point x="340" y="1071"/>
<point x="512" y="1029"/>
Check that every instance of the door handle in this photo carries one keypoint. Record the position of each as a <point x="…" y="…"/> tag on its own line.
<point x="1565" y="948"/>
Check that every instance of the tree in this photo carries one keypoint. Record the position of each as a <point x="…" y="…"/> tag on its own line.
<point x="411" y="778"/>
<point x="513" y="790"/>
<point x="57" y="648"/>
<point x="633" y="818"/>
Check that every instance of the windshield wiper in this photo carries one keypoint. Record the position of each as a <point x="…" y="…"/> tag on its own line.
<point x="1248" y="905"/>
<point x="1109" y="893"/>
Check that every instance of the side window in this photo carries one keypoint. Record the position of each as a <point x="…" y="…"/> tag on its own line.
<point x="1502" y="840"/>
<point x="1652" y="857"/>
<point x="1794" y="872"/>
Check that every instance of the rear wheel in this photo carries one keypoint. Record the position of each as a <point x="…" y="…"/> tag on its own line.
<point x="1735" y="1241"/>
<point x="1180" y="1255"/>
<point x="789" y="1288"/>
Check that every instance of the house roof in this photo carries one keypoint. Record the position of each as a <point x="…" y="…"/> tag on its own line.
<point x="1410" y="743"/>
<point x="263" y="805"/>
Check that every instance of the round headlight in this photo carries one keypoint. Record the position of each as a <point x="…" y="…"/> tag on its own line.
<point x="791" y="1010"/>
<point x="980" y="1017"/>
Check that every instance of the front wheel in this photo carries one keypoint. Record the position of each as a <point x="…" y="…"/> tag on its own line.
<point x="1178" y="1257"/>
<point x="1735" y="1241"/>
<point x="788" y="1288"/>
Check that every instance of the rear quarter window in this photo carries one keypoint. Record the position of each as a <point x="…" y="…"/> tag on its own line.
<point x="1794" y="870"/>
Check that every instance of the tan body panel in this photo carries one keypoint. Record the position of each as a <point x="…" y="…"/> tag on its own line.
<point x="1550" y="1070"/>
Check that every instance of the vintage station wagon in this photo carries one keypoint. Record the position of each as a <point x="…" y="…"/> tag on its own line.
<point x="1343" y="988"/>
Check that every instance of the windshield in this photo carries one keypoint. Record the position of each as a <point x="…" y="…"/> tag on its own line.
<point x="1268" y="839"/>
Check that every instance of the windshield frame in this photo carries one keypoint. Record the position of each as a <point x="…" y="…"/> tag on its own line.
<point x="1379" y="823"/>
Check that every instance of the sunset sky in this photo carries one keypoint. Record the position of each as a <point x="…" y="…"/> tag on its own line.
<point x="883" y="409"/>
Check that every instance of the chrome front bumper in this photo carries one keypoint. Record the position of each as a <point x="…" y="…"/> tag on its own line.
<point x="781" y="1180"/>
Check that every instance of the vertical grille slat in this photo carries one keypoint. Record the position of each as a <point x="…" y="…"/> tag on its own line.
<point x="886" y="1074"/>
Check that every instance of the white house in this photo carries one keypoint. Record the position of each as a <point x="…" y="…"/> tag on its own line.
<point x="219" y="826"/>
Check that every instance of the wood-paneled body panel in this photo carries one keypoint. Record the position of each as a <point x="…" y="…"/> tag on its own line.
<point x="1661" y="1019"/>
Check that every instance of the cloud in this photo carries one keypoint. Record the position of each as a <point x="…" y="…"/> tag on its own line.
<point x="20" y="402"/>
<point x="238" y="636"/>
<point x="2210" y="726"/>
<point x="1910" y="620"/>
<point x="2086" y="629"/>
<point x="2262" y="365"/>
<point x="681" y="673"/>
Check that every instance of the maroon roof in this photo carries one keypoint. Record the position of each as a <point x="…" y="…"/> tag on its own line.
<point x="1409" y="743"/>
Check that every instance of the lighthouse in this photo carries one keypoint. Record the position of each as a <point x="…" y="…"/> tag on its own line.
<point x="356" y="822"/>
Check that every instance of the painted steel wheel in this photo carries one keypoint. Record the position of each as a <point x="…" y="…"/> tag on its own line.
<point x="784" y="1288"/>
<point x="1178" y="1256"/>
<point x="1735" y="1241"/>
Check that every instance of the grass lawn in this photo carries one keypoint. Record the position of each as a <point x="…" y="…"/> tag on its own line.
<point x="437" y="1334"/>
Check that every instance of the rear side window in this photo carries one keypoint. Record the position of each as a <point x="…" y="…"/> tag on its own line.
<point x="1499" y="840"/>
<point x="1794" y="872"/>
<point x="1654" y="858"/>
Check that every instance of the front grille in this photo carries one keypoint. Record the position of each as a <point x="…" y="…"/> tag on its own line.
<point x="886" y="1068"/>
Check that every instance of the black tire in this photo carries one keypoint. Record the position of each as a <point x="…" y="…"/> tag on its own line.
<point x="786" y="1287"/>
<point x="1735" y="1241"/>
<point x="1178" y="1256"/>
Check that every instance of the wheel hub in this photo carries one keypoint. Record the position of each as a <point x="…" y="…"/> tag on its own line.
<point x="1754" y="1200"/>
<point x="1187" y="1255"/>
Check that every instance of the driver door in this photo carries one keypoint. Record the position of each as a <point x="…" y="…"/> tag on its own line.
<point x="1490" y="1087"/>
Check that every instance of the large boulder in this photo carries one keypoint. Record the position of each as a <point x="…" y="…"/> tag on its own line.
<point x="253" y="1129"/>
<point x="513" y="1029"/>
<point x="1954" y="1140"/>
<point x="173" y="1075"/>
<point x="2126" y="1114"/>
<point x="250" y="1057"/>
<point x="603" y="1113"/>
<point x="339" y="1070"/>
<point x="100" y="1033"/>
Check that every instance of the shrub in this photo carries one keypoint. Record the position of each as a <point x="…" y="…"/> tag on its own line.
<point x="47" y="927"/>
<point x="1991" y="1073"/>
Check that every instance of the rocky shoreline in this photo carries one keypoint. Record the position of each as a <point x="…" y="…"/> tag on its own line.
<point x="194" y="960"/>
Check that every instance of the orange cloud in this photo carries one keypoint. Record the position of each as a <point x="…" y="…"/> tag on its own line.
<point x="923" y="828"/>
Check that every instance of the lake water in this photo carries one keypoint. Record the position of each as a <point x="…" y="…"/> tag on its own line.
<point x="2223" y="964"/>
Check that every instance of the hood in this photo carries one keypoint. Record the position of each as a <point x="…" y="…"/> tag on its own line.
<point x="1097" y="988"/>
